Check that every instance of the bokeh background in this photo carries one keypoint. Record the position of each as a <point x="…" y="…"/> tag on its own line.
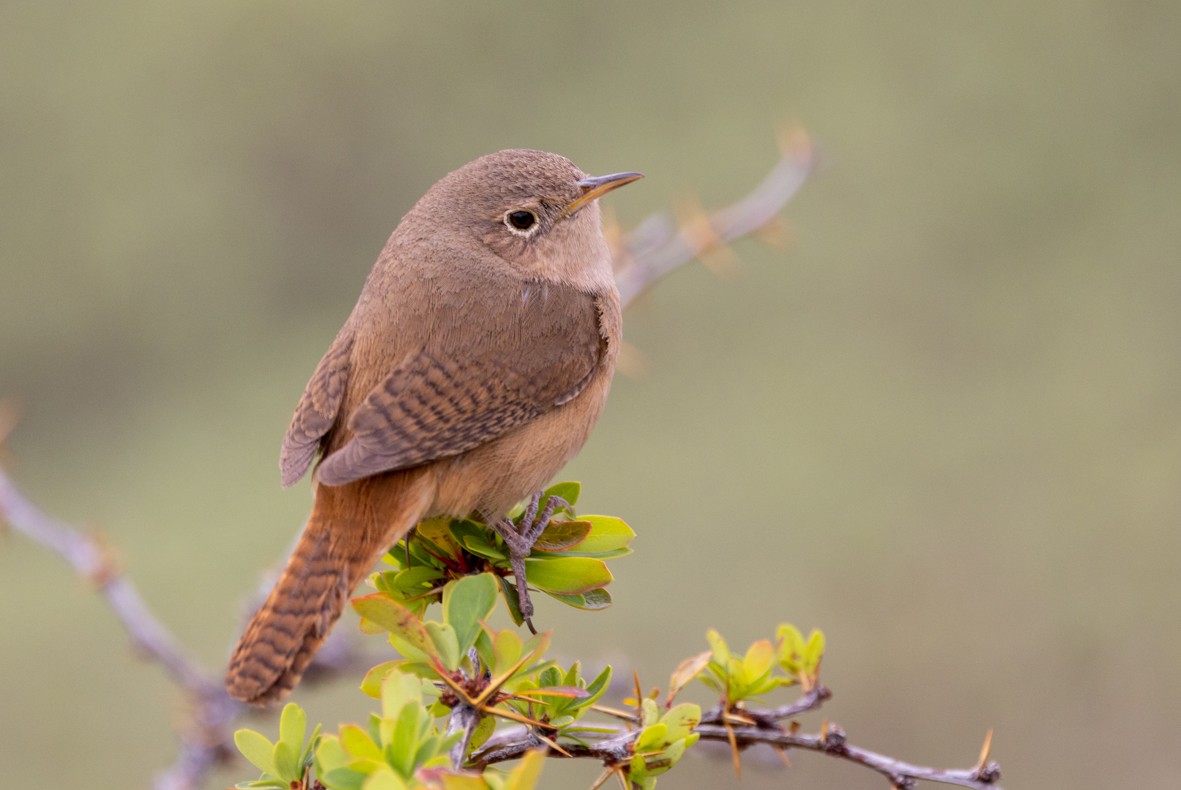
<point x="942" y="424"/>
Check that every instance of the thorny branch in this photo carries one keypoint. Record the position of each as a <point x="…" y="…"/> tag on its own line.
<point x="655" y="248"/>
<point x="615" y="749"/>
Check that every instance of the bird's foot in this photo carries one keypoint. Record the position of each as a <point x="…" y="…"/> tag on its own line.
<point x="519" y="539"/>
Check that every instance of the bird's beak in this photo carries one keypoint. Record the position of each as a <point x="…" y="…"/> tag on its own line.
<point x="597" y="186"/>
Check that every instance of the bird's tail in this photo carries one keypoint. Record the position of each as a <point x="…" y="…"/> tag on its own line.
<point x="349" y="529"/>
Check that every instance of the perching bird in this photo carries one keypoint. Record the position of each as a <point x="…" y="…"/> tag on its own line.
<point x="472" y="368"/>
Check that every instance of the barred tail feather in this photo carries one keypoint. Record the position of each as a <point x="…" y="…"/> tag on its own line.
<point x="350" y="528"/>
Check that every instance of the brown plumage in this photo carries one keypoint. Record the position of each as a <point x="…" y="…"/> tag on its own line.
<point x="474" y="365"/>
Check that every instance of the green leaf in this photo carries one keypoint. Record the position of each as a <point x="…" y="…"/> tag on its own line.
<point x="506" y="650"/>
<point x="549" y="677"/>
<point x="293" y="724"/>
<point x="667" y="758"/>
<point x="445" y="642"/>
<point x="720" y="649"/>
<point x="482" y="547"/>
<point x="562" y="535"/>
<point x="440" y="533"/>
<point x="595" y="599"/>
<point x="759" y="659"/>
<point x="387" y="613"/>
<point x="287" y="762"/>
<point x="649" y="713"/>
<point x="330" y="754"/>
<point x="814" y="650"/>
<point x="371" y="685"/>
<point x="482" y="732"/>
<point x="342" y="779"/>
<point x="256" y="748"/>
<point x="466" y="602"/>
<point x="681" y="720"/>
<point x="791" y="645"/>
<point x="652" y="738"/>
<point x="383" y="780"/>
<point x="305" y="757"/>
<point x="417" y="578"/>
<point x="607" y="534"/>
<point x="568" y="490"/>
<point x="511" y="599"/>
<point x="406" y="735"/>
<point x="598" y="685"/>
<point x="567" y="575"/>
<point x="357" y="743"/>
<point x="591" y="600"/>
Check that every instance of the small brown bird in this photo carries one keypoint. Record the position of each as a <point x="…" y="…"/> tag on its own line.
<point x="472" y="368"/>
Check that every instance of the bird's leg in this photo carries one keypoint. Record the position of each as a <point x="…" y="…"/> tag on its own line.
<point x="520" y="537"/>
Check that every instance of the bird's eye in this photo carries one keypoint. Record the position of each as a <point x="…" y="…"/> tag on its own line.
<point x="520" y="221"/>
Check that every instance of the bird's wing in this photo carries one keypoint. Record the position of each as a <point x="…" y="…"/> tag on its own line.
<point x="316" y="411"/>
<point x="529" y="352"/>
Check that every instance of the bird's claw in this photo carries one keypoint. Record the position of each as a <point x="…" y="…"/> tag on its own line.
<point x="519" y="539"/>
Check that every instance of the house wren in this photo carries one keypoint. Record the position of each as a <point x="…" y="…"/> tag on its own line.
<point x="472" y="368"/>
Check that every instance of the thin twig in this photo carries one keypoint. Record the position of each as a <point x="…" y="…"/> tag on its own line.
<point x="659" y="245"/>
<point x="206" y="736"/>
<point x="832" y="742"/>
<point x="463" y="719"/>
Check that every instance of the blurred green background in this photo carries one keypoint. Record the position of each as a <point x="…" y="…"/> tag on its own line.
<point x="942" y="424"/>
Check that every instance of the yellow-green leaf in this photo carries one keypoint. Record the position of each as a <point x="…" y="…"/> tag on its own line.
<point x="383" y="779"/>
<point x="445" y="642"/>
<point x="358" y="744"/>
<point x="371" y="685"/>
<point x="791" y="642"/>
<point x="293" y="724"/>
<point x="758" y="660"/>
<point x="402" y="623"/>
<point x="607" y="533"/>
<point x="286" y="761"/>
<point x="256" y="748"/>
<point x="568" y="490"/>
<point x="721" y="652"/>
<point x="681" y="720"/>
<point x="507" y="649"/>
<point x="438" y="531"/>
<point x="567" y="575"/>
<point x="466" y="602"/>
<point x="652" y="738"/>
<point x="814" y="650"/>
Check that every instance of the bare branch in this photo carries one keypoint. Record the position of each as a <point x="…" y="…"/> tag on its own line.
<point x="206" y="739"/>
<point x="832" y="742"/>
<point x="92" y="562"/>
<point x="658" y="245"/>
